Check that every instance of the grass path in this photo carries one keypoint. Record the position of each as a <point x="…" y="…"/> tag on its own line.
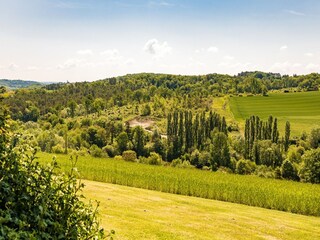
<point x="143" y="214"/>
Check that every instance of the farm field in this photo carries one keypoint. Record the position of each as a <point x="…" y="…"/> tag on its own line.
<point x="143" y="214"/>
<point x="301" y="109"/>
<point x="282" y="195"/>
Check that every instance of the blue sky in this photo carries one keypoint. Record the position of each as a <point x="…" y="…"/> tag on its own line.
<point x="77" y="40"/>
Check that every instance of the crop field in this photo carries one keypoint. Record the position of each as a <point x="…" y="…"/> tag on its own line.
<point x="302" y="109"/>
<point x="281" y="195"/>
<point x="143" y="214"/>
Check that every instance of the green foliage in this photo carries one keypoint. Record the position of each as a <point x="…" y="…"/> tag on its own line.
<point x="266" y="153"/>
<point x="289" y="171"/>
<point x="282" y="195"/>
<point x="95" y="151"/>
<point x="266" y="172"/>
<point x="146" y="110"/>
<point x="314" y="138"/>
<point x="122" y="141"/>
<point x="220" y="155"/>
<point x="139" y="141"/>
<point x="37" y="203"/>
<point x="129" y="155"/>
<point x="287" y="136"/>
<point x="310" y="171"/>
<point x="153" y="159"/>
<point x="245" y="167"/>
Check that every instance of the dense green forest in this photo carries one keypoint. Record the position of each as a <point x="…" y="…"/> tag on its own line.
<point x="176" y="123"/>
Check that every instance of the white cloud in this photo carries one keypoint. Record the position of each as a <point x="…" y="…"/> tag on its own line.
<point x="284" y="47"/>
<point x="71" y="63"/>
<point x="13" y="67"/>
<point x="129" y="61"/>
<point x="110" y="53"/>
<point x="156" y="48"/>
<point x="308" y="54"/>
<point x="112" y="56"/>
<point x="213" y="49"/>
<point x="85" y="52"/>
<point x="313" y="67"/>
<point x="286" y="67"/>
<point x="294" y="12"/>
<point x="228" y="57"/>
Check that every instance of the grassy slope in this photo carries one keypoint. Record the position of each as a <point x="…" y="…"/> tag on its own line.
<point x="301" y="109"/>
<point x="250" y="190"/>
<point x="143" y="214"/>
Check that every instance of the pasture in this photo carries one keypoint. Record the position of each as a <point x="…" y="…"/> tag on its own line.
<point x="143" y="214"/>
<point x="302" y="109"/>
<point x="281" y="195"/>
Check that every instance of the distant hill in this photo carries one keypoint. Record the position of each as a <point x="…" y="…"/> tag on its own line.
<point x="16" y="84"/>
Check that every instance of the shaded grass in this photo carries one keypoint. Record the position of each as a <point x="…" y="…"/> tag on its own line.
<point x="282" y="195"/>
<point x="301" y="109"/>
<point x="142" y="214"/>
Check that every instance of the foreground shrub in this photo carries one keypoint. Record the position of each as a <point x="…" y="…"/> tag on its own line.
<point x="37" y="203"/>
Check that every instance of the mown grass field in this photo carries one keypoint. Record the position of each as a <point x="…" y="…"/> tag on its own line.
<point x="302" y="109"/>
<point x="143" y="214"/>
<point x="250" y="190"/>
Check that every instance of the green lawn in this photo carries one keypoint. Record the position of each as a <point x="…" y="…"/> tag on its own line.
<point x="302" y="109"/>
<point x="143" y="214"/>
<point x="282" y="195"/>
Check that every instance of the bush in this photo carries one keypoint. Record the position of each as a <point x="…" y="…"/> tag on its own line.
<point x="265" y="171"/>
<point x="153" y="159"/>
<point x="181" y="164"/>
<point x="310" y="171"/>
<point x="289" y="171"/>
<point x="58" y="149"/>
<point x="33" y="198"/>
<point x="129" y="156"/>
<point x="109" y="149"/>
<point x="245" y="167"/>
<point x="95" y="151"/>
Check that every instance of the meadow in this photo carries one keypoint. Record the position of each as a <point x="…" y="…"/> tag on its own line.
<point x="143" y="214"/>
<point x="281" y="195"/>
<point x="302" y="109"/>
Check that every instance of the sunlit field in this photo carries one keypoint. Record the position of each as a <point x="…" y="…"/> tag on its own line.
<point x="281" y="195"/>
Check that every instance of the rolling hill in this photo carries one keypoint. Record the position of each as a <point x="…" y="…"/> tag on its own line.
<point x="301" y="109"/>
<point x="16" y="84"/>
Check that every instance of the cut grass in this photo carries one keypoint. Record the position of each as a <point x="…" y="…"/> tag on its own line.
<point x="302" y="109"/>
<point x="282" y="195"/>
<point x="143" y="214"/>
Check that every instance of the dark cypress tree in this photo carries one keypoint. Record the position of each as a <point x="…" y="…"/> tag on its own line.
<point x="224" y="126"/>
<point x="139" y="141"/>
<point x="269" y="131"/>
<point x="181" y="133"/>
<point x="275" y="132"/>
<point x="287" y="136"/>
<point x="247" y="138"/>
<point x="195" y="130"/>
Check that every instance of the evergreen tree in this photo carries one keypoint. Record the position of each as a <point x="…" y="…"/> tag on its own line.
<point x="139" y="141"/>
<point x="275" y="132"/>
<point x="287" y="136"/>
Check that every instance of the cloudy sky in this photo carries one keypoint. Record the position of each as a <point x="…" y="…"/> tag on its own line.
<point x="77" y="40"/>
